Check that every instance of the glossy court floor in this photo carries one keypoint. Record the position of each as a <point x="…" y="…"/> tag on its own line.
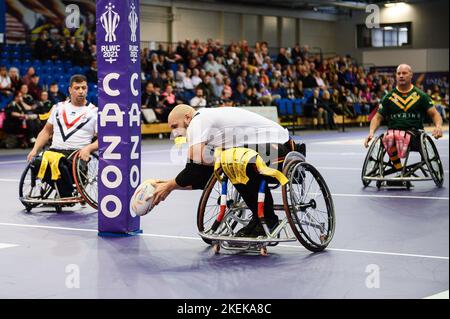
<point x="388" y="243"/>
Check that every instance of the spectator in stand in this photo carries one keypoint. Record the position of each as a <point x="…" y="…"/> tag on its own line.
<point x="156" y="79"/>
<point x="196" y="79"/>
<point x="250" y="97"/>
<point x="40" y="46"/>
<point x="296" y="53"/>
<point x="298" y="89"/>
<point x="21" y="119"/>
<point x="35" y="88"/>
<point x="168" y="99"/>
<point x="27" y="77"/>
<point x="80" y="56"/>
<point x="26" y="99"/>
<point x="71" y="47"/>
<point x="365" y="97"/>
<point x="16" y="81"/>
<point x="435" y="95"/>
<point x="227" y="91"/>
<point x="198" y="101"/>
<point x="330" y="108"/>
<point x="290" y="90"/>
<point x="350" y="78"/>
<point x="148" y="98"/>
<point x="54" y="95"/>
<point x="211" y="65"/>
<point x="61" y="50"/>
<point x="6" y="87"/>
<point x="50" y="51"/>
<point x="308" y="80"/>
<point x="314" y="109"/>
<point x="282" y="58"/>
<point x="277" y="91"/>
<point x="218" y="86"/>
<point x="206" y="86"/>
<point x="92" y="73"/>
<point x="238" y="97"/>
<point x="43" y="106"/>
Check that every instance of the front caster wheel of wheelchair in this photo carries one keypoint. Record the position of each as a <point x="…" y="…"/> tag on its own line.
<point x="85" y="176"/>
<point x="308" y="205"/>
<point x="371" y="165"/>
<point x="379" y="184"/>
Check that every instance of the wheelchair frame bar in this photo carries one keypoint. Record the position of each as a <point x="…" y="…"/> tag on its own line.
<point x="399" y="178"/>
<point x="56" y="201"/>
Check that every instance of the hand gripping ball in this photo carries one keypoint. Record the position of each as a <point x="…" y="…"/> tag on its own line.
<point x="142" y="200"/>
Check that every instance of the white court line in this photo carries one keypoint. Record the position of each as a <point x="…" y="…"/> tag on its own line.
<point x="333" y="194"/>
<point x="198" y="238"/>
<point x="9" y="180"/>
<point x="390" y="196"/>
<point x="13" y="162"/>
<point x="7" y="245"/>
<point x="441" y="295"/>
<point x="381" y="196"/>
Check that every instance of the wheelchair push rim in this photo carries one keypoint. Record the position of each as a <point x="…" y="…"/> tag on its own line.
<point x="309" y="206"/>
<point x="85" y="177"/>
<point x="372" y="161"/>
<point x="209" y="207"/>
<point x="432" y="159"/>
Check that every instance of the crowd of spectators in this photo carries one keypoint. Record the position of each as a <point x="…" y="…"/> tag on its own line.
<point x="210" y="74"/>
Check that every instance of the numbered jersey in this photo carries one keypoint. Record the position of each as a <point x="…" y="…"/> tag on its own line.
<point x="74" y="127"/>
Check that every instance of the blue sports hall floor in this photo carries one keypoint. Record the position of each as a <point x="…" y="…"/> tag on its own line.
<point x="401" y="236"/>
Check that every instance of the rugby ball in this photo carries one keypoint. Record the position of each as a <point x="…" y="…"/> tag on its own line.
<point x="142" y="200"/>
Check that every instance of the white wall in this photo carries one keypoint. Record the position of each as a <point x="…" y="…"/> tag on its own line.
<point x="317" y="33"/>
<point x="421" y="60"/>
<point x="154" y="23"/>
<point x="196" y="24"/>
<point x="232" y="31"/>
<point x="270" y="33"/>
<point x="429" y="28"/>
<point x="250" y="31"/>
<point x="288" y="34"/>
<point x="192" y="20"/>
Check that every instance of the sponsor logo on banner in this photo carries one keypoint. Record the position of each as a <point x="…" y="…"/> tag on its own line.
<point x="133" y="20"/>
<point x="110" y="21"/>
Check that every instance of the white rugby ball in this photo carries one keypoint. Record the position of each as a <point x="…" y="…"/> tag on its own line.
<point x="142" y="199"/>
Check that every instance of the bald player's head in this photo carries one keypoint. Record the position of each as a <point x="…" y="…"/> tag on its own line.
<point x="404" y="75"/>
<point x="179" y="118"/>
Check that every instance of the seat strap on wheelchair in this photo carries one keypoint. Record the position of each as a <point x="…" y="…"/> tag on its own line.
<point x="234" y="163"/>
<point x="52" y="159"/>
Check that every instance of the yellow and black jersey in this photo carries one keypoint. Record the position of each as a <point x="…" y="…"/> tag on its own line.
<point x="405" y="110"/>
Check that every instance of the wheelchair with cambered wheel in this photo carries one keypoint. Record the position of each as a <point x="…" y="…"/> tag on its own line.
<point x="421" y="163"/>
<point x="38" y="193"/>
<point x="306" y="204"/>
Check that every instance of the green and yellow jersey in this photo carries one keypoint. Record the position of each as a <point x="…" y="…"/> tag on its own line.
<point x="405" y="110"/>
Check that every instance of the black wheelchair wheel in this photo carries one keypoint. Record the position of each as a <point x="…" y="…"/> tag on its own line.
<point x="31" y="188"/>
<point x="308" y="205"/>
<point x="431" y="157"/>
<point x="209" y="206"/>
<point x="371" y="165"/>
<point x="85" y="177"/>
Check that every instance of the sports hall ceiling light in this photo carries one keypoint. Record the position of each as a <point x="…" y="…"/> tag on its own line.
<point x="394" y="4"/>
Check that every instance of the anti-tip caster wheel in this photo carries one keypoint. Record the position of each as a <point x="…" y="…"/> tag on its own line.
<point x="263" y="251"/>
<point x="216" y="248"/>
